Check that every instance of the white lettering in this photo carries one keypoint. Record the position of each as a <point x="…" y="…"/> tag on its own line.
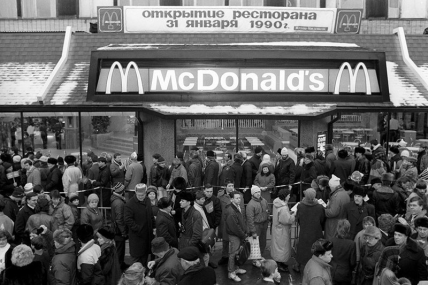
<point x="300" y="79"/>
<point x="214" y="76"/>
<point x="181" y="81"/>
<point x="253" y="77"/>
<point x="313" y="78"/>
<point x="268" y="84"/>
<point x="282" y="79"/>
<point x="170" y="77"/>
<point x="235" y="81"/>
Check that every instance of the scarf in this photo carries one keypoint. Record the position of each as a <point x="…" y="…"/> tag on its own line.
<point x="204" y="217"/>
<point x="117" y="163"/>
<point x="107" y="244"/>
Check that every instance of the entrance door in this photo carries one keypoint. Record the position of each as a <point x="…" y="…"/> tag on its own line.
<point x="67" y="7"/>
<point x="377" y="8"/>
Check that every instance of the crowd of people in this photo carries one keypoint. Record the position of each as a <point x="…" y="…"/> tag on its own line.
<point x="361" y="217"/>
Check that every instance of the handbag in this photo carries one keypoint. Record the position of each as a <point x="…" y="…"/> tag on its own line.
<point x="244" y="252"/>
<point x="255" y="249"/>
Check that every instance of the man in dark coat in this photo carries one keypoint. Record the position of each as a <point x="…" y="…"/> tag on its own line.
<point x="385" y="199"/>
<point x="117" y="169"/>
<point x="165" y="224"/>
<point x="255" y="161"/>
<point x="103" y="181"/>
<point x="194" y="271"/>
<point x="284" y="169"/>
<point x="355" y="211"/>
<point x="362" y="164"/>
<point x="342" y="167"/>
<point x="212" y="207"/>
<point x="54" y="179"/>
<point x="191" y="221"/>
<point x="237" y="170"/>
<point x="194" y="173"/>
<point x="21" y="219"/>
<point x="247" y="177"/>
<point x="140" y="159"/>
<point x="211" y="171"/>
<point x="140" y="221"/>
<point x="118" y="221"/>
<point x="11" y="209"/>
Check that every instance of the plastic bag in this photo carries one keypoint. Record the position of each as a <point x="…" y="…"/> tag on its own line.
<point x="255" y="249"/>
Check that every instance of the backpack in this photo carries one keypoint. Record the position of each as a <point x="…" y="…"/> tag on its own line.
<point x="207" y="241"/>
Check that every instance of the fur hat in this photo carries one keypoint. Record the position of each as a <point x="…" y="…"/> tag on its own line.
<point x="402" y="229"/>
<point x="69" y="159"/>
<point x="189" y="253"/>
<point x="284" y="151"/>
<point x="85" y="233"/>
<point x="179" y="183"/>
<point x="134" y="156"/>
<point x="421" y="222"/>
<point x="386" y="222"/>
<point x="188" y="196"/>
<point x="22" y="255"/>
<point x="322" y="180"/>
<point x="161" y="159"/>
<point x="255" y="189"/>
<point x="140" y="187"/>
<point x="359" y="191"/>
<point x="52" y="160"/>
<point x="258" y="149"/>
<point x="179" y="155"/>
<point x="310" y="193"/>
<point x="156" y="156"/>
<point x="107" y="233"/>
<point x="210" y="153"/>
<point x="151" y="189"/>
<point x="73" y="197"/>
<point x="360" y="149"/>
<point x="62" y="236"/>
<point x="310" y="149"/>
<point x="334" y="182"/>
<point x="309" y="156"/>
<point x="386" y="177"/>
<point x="18" y="193"/>
<point x="159" y="244"/>
<point x="373" y="231"/>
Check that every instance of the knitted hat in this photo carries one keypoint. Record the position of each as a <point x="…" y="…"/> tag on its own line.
<point x="334" y="182"/>
<point x="310" y="193"/>
<point x="402" y="229"/>
<point x="73" y="197"/>
<point x="284" y="151"/>
<point x="16" y="159"/>
<point x="255" y="189"/>
<point x="359" y="191"/>
<point x="189" y="253"/>
<point x="106" y="232"/>
<point x="159" y="244"/>
<point x="118" y="187"/>
<point x="93" y="197"/>
<point x="141" y="187"/>
<point x="373" y="231"/>
<point x="386" y="222"/>
<point x="152" y="189"/>
<point x="421" y="222"/>
<point x="188" y="196"/>
<point x="22" y="255"/>
<point x="258" y="149"/>
<point x="210" y="153"/>
<point x="28" y="188"/>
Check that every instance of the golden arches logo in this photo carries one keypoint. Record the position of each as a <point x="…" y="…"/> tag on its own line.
<point x="353" y="77"/>
<point x="113" y="18"/>
<point x="347" y="22"/>
<point x="124" y="77"/>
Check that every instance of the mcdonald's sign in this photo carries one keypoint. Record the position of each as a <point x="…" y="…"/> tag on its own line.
<point x="110" y="19"/>
<point x="348" y="21"/>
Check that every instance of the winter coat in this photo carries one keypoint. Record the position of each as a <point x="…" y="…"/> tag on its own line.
<point x="117" y="214"/>
<point x="412" y="263"/>
<point x="321" y="167"/>
<point x="330" y="157"/>
<point x="93" y="217"/>
<point x="117" y="174"/>
<point x="165" y="227"/>
<point x="317" y="272"/>
<point x="140" y="221"/>
<point x="21" y="223"/>
<point x="335" y="210"/>
<point x="285" y="171"/>
<point x="247" y="175"/>
<point x="110" y="264"/>
<point x="168" y="270"/>
<point x="160" y="176"/>
<point x="70" y="179"/>
<point x="34" y="176"/>
<point x="281" y="231"/>
<point x="342" y="168"/>
<point x="265" y="181"/>
<point x="191" y="220"/>
<point x="344" y="259"/>
<point x="309" y="173"/>
<point x="363" y="166"/>
<point x="63" y="266"/>
<point x="198" y="274"/>
<point x="355" y="215"/>
<point x="386" y="201"/>
<point x="94" y="171"/>
<point x="257" y="212"/>
<point x="369" y="255"/>
<point x="232" y="172"/>
<point x="321" y="194"/>
<point x="310" y="216"/>
<point x="27" y="273"/>
<point x="11" y="208"/>
<point x="211" y="173"/>
<point x="237" y="170"/>
<point x="133" y="175"/>
<point x="235" y="222"/>
<point x="255" y="161"/>
<point x="88" y="264"/>
<point x="212" y="208"/>
<point x="377" y="169"/>
<point x="195" y="173"/>
<point x="6" y="223"/>
<point x="41" y="218"/>
<point x="179" y="171"/>
<point x="63" y="215"/>
<point x="103" y="179"/>
<point x="54" y="180"/>
<point x="225" y="201"/>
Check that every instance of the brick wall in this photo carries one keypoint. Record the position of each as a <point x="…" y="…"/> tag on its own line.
<point x="41" y="25"/>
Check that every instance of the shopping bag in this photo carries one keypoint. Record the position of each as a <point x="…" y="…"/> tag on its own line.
<point x="255" y="249"/>
<point x="243" y="252"/>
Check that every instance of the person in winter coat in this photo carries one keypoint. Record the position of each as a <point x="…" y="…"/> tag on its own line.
<point x="403" y="187"/>
<point x="167" y="267"/>
<point x="359" y="238"/>
<point x="91" y="215"/>
<point x="318" y="270"/>
<point x="118" y="221"/>
<point x="280" y="249"/>
<point x="177" y="170"/>
<point x="311" y="217"/>
<point x="139" y="218"/>
<point x="10" y="184"/>
<point x="11" y="208"/>
<point x="236" y="231"/>
<point x="23" y="270"/>
<point x="342" y="167"/>
<point x="24" y="214"/>
<point x="320" y="185"/>
<point x="88" y="258"/>
<point x="309" y="172"/>
<point x="330" y="157"/>
<point x="257" y="214"/>
<point x="160" y="177"/>
<point x="72" y="176"/>
<point x="247" y="177"/>
<point x="194" y="271"/>
<point x="62" y="213"/>
<point x="355" y="211"/>
<point x="195" y="171"/>
<point x="41" y="218"/>
<point x="370" y="254"/>
<point x="212" y="206"/>
<point x="54" y="179"/>
<point x="117" y="169"/>
<point x="109" y="262"/>
<point x="421" y="234"/>
<point x="284" y="169"/>
<point x="377" y="166"/>
<point x="74" y="204"/>
<point x="134" y="173"/>
<point x="255" y="161"/>
<point x="266" y="160"/>
<point x="362" y="164"/>
<point x="33" y="173"/>
<point x="152" y="194"/>
<point x="344" y="258"/>
<point x="63" y="266"/>
<point x="385" y="199"/>
<point x="417" y="208"/>
<point x="335" y="208"/>
<point x="211" y="171"/>
<point x="266" y="181"/>
<point x="191" y="222"/>
<point x="408" y="166"/>
<point x="165" y="224"/>
<point x="320" y="164"/>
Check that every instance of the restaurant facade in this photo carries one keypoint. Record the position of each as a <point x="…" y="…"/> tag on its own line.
<point x="151" y="88"/>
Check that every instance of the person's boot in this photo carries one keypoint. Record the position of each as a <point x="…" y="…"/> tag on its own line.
<point x="223" y="260"/>
<point x="283" y="267"/>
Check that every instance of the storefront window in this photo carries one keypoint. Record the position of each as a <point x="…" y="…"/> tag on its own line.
<point x="10" y="131"/>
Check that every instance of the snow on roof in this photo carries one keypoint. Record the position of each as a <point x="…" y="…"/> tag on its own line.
<point x="424" y="69"/>
<point x="243" y="109"/>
